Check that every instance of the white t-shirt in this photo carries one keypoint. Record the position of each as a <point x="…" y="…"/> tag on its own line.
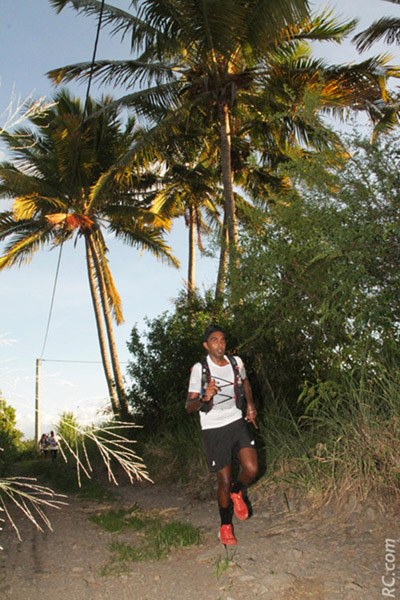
<point x="53" y="442"/>
<point x="224" y="409"/>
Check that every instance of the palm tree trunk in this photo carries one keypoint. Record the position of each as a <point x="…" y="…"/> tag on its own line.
<point x="223" y="261"/>
<point x="100" y="333"/>
<point x="122" y="399"/>
<point x="230" y="211"/>
<point x="192" y="249"/>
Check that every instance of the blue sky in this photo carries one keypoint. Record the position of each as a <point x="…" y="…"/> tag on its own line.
<point x="33" y="40"/>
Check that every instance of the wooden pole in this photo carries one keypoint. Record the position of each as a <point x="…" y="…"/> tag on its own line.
<point x="37" y="402"/>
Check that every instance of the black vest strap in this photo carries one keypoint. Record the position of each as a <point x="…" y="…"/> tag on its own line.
<point x="237" y="383"/>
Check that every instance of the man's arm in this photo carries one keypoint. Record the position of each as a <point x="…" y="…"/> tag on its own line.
<point x="251" y="412"/>
<point x="195" y="401"/>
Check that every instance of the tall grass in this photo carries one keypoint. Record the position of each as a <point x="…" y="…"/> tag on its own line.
<point x="347" y="442"/>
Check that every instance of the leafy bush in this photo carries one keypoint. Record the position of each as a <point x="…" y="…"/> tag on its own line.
<point x="318" y="277"/>
<point x="10" y="437"/>
<point x="27" y="450"/>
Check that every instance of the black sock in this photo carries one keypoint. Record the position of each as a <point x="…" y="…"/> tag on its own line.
<point x="237" y="487"/>
<point x="226" y="515"/>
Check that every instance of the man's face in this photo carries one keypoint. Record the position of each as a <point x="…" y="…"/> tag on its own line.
<point x="216" y="344"/>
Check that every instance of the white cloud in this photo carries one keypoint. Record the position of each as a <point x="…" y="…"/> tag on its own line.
<point x="54" y="378"/>
<point x="4" y="339"/>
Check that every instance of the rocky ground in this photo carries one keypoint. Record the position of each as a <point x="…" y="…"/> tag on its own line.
<point x="284" y="552"/>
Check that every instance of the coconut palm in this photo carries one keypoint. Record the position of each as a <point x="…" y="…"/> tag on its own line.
<point x="55" y="169"/>
<point x="216" y="58"/>
<point x="188" y="187"/>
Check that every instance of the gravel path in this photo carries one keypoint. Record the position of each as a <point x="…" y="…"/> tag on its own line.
<point x="281" y="554"/>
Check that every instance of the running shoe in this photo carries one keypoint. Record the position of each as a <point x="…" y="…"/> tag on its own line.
<point x="239" y="506"/>
<point x="226" y="535"/>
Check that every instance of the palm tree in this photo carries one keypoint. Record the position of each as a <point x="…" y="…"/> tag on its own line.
<point x="217" y="58"/>
<point x="387" y="28"/>
<point x="188" y="186"/>
<point x="52" y="181"/>
<point x="186" y="190"/>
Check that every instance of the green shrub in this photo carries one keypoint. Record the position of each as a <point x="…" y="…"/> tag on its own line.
<point x="10" y="437"/>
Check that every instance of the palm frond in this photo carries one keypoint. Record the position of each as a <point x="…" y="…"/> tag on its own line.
<point x="120" y="19"/>
<point x="324" y="27"/>
<point x="33" y="206"/>
<point x="166" y="201"/>
<point x="26" y="239"/>
<point x="386" y="117"/>
<point x="113" y="447"/>
<point x="29" y="497"/>
<point x="145" y="237"/>
<point x="364" y="82"/>
<point x="15" y="184"/>
<point x="268" y="21"/>
<point x="117" y="72"/>
<point x="142" y="152"/>
<point x="387" y="28"/>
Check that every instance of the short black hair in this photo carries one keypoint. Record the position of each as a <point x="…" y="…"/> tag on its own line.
<point x="210" y="330"/>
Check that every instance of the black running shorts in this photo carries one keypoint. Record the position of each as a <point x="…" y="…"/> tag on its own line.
<point x="222" y="444"/>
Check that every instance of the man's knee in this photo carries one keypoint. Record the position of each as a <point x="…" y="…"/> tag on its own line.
<point x="249" y="467"/>
<point x="251" y="470"/>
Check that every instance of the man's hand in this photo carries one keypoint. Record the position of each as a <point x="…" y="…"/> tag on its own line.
<point x="195" y="401"/>
<point x="211" y="390"/>
<point x="251" y="412"/>
<point x="251" y="416"/>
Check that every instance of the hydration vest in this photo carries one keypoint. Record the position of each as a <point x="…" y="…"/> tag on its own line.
<point x="237" y="384"/>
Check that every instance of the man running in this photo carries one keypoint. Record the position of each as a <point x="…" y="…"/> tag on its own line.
<point x="224" y="430"/>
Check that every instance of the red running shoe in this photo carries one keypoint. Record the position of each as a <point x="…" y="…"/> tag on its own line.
<point x="239" y="506"/>
<point x="226" y="535"/>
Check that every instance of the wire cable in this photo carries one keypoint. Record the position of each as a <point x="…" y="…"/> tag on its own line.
<point x="52" y="300"/>
<point x="95" y="362"/>
<point x="75" y="164"/>
<point x="94" y="56"/>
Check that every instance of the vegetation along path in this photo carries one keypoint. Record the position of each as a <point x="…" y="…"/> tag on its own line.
<point x="286" y="551"/>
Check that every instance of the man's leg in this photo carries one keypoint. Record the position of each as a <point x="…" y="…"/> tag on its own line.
<point x="225" y="506"/>
<point x="248" y="471"/>
<point x="224" y="491"/>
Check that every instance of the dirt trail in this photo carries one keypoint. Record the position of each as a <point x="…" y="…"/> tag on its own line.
<point x="281" y="554"/>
